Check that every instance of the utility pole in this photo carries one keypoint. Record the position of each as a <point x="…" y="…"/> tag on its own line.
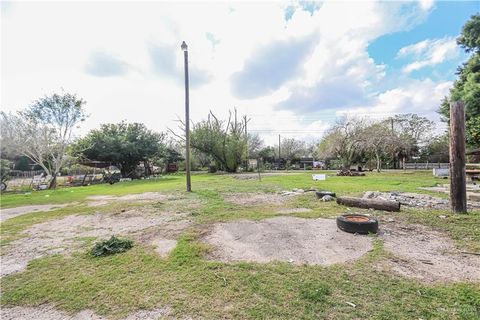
<point x="187" y="118"/>
<point x="279" y="147"/>
<point x="246" y="139"/>
<point x="458" y="188"/>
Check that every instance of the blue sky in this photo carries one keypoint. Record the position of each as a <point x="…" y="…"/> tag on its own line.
<point x="293" y="67"/>
<point x="446" y="19"/>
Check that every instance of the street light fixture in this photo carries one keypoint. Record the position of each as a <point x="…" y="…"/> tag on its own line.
<point x="187" y="118"/>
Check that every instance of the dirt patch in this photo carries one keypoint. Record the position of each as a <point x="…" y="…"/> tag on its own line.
<point x="424" y="254"/>
<point x="50" y="313"/>
<point x="253" y="199"/>
<point x="289" y="239"/>
<point x="100" y="200"/>
<point x="64" y="235"/>
<point x="293" y="210"/>
<point x="164" y="246"/>
<point x="18" y="211"/>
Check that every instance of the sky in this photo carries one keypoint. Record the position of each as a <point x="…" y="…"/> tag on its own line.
<point x="292" y="67"/>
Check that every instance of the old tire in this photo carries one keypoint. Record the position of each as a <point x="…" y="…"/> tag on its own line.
<point x="3" y="186"/>
<point x="357" y="223"/>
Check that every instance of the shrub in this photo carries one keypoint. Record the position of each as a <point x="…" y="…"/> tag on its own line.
<point x="5" y="168"/>
<point x="111" y="246"/>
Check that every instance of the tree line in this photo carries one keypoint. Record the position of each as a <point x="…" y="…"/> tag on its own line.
<point x="43" y="133"/>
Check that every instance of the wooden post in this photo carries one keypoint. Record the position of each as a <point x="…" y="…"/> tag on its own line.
<point x="458" y="188"/>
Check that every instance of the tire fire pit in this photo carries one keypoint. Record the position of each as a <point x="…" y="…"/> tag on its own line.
<point x="357" y="223"/>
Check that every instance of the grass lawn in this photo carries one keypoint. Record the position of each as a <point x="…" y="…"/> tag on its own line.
<point x="191" y="285"/>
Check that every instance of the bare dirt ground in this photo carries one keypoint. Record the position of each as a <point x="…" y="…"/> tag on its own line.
<point x="100" y="200"/>
<point x="18" y="211"/>
<point x="289" y="239"/>
<point x="427" y="255"/>
<point x="293" y="210"/>
<point x="416" y="251"/>
<point x="64" y="235"/>
<point x="50" y="313"/>
<point x="253" y="199"/>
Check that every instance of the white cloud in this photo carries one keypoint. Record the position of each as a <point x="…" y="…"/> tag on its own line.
<point x="426" y="4"/>
<point x="429" y="52"/>
<point x="421" y="97"/>
<point x="48" y="46"/>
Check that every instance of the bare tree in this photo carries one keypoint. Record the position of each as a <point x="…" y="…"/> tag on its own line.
<point x="377" y="140"/>
<point x="255" y="144"/>
<point x="43" y="131"/>
<point x="343" y="141"/>
<point x="292" y="148"/>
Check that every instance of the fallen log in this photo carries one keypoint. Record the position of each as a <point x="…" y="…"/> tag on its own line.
<point x="377" y="204"/>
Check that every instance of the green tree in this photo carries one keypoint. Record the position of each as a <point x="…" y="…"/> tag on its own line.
<point x="409" y="132"/>
<point x="43" y="131"/>
<point x="467" y="87"/>
<point x="267" y="154"/>
<point x="123" y="144"/>
<point x="436" y="150"/>
<point x="5" y="169"/>
<point x="224" y="141"/>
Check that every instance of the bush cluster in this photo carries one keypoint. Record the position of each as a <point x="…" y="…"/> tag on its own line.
<point x="111" y="246"/>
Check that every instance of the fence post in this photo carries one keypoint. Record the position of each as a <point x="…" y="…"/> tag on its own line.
<point x="458" y="189"/>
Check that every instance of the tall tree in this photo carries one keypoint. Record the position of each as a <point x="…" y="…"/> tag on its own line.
<point x="291" y="149"/>
<point x="343" y="141"/>
<point x="43" y="131"/>
<point x="409" y="131"/>
<point x="123" y="144"/>
<point x="377" y="140"/>
<point x="436" y="150"/>
<point x="467" y="87"/>
<point x="224" y="141"/>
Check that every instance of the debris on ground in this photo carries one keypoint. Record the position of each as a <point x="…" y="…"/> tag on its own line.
<point x="350" y="173"/>
<point x="415" y="200"/>
<point x="296" y="191"/>
<point x="327" y="198"/>
<point x="111" y="246"/>
<point x="473" y="190"/>
<point x="321" y="194"/>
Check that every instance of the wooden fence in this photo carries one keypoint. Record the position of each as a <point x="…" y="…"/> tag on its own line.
<point x="426" y="166"/>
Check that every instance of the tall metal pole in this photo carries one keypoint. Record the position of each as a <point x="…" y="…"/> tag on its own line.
<point x="187" y="118"/>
